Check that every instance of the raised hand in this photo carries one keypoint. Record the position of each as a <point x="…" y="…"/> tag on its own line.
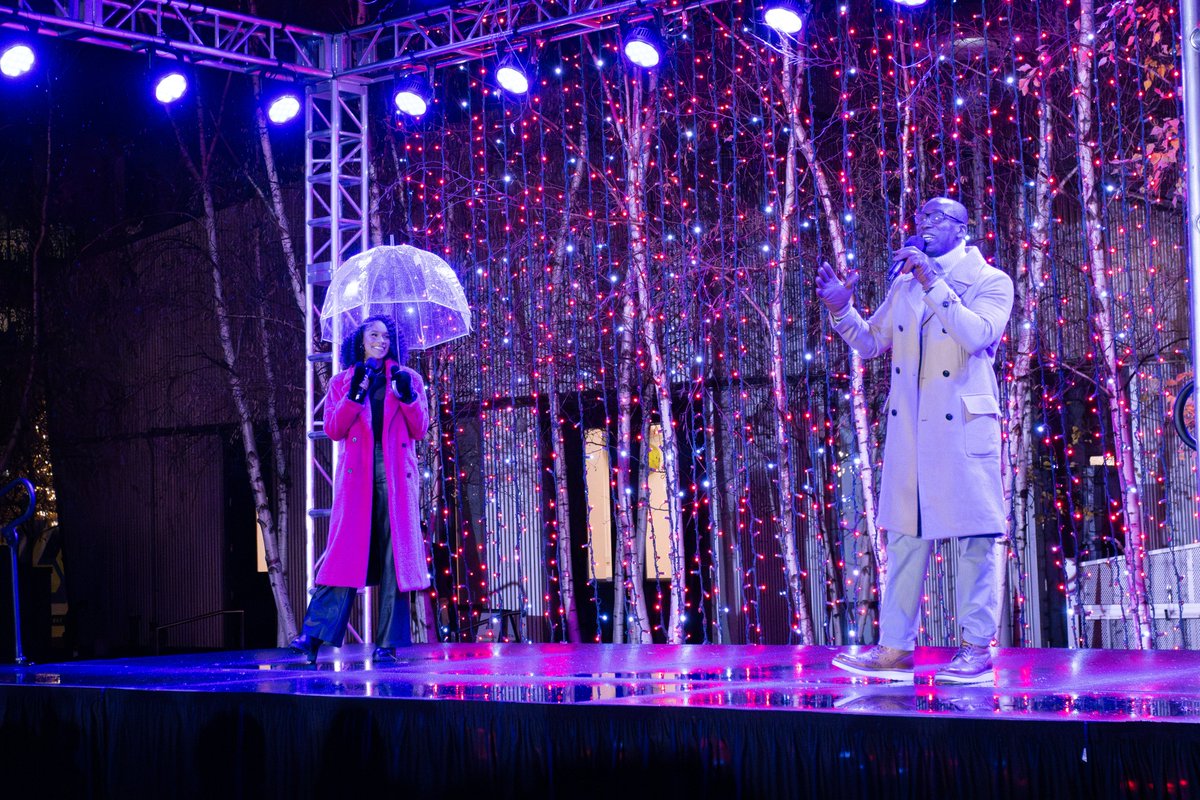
<point x="836" y="294"/>
<point x="359" y="382"/>
<point x="402" y="385"/>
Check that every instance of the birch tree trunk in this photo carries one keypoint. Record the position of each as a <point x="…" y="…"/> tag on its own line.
<point x="859" y="414"/>
<point x="375" y="212"/>
<point x="628" y="586"/>
<point x="642" y="523"/>
<point x="1102" y="322"/>
<point x="979" y="187"/>
<point x="908" y="198"/>
<point x="276" y="573"/>
<point x="281" y="477"/>
<point x="801" y="622"/>
<point x="724" y="571"/>
<point x="560" y="298"/>
<point x="1017" y="446"/>
<point x="273" y="197"/>
<point x="636" y="139"/>
<point x="277" y="207"/>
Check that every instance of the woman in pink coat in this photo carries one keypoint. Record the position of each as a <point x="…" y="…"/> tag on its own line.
<point x="376" y="410"/>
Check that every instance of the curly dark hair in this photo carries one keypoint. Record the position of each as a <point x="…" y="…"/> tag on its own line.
<point x="352" y="345"/>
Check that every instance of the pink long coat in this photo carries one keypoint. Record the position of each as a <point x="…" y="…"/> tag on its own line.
<point x="349" y="424"/>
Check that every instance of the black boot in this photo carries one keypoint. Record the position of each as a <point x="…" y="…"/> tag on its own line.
<point x="383" y="655"/>
<point x="307" y="646"/>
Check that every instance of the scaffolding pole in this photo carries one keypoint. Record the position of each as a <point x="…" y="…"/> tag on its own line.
<point x="1191" y="129"/>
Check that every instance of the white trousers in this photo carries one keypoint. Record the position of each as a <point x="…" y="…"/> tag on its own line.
<point x="975" y="589"/>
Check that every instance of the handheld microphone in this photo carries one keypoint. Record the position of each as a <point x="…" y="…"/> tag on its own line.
<point x="357" y="393"/>
<point x="912" y="241"/>
<point x="371" y="368"/>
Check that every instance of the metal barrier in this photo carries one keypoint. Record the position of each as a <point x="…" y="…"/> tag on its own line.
<point x="9" y="532"/>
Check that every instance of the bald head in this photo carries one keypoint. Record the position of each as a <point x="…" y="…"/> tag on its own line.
<point x="942" y="223"/>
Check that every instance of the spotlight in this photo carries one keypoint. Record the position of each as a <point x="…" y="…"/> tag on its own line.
<point x="170" y="87"/>
<point x="511" y="74"/>
<point x="16" y="60"/>
<point x="411" y="95"/>
<point x="643" y="45"/>
<point x="910" y="3"/>
<point x="283" y="109"/>
<point x="785" y="16"/>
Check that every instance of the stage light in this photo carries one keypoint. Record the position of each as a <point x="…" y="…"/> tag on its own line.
<point x="643" y="45"/>
<point x="170" y="87"/>
<point x="411" y="95"/>
<point x="785" y="16"/>
<point x="17" y="60"/>
<point x="283" y="109"/>
<point x="910" y="3"/>
<point x="511" y="74"/>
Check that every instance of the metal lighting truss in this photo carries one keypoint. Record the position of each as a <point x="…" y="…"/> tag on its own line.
<point x="336" y="227"/>
<point x="201" y="35"/>
<point x="470" y="31"/>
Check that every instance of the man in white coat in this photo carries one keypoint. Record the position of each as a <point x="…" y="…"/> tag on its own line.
<point x="942" y="319"/>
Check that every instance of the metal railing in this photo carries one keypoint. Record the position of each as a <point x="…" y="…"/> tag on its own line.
<point x="9" y="533"/>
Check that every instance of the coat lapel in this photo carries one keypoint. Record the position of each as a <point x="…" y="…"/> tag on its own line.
<point x="959" y="278"/>
<point x="966" y="271"/>
<point x="913" y="294"/>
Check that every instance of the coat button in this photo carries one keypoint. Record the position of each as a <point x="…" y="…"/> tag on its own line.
<point x="945" y="304"/>
<point x="354" y="438"/>
<point x="897" y="370"/>
<point x="945" y="373"/>
<point x="893" y="412"/>
<point x="901" y="327"/>
<point x="350" y="470"/>
<point x="949" y="416"/>
<point x="943" y="330"/>
<point x="404" y="445"/>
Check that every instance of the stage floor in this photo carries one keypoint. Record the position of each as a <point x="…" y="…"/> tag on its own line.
<point x="606" y="721"/>
<point x="1049" y="684"/>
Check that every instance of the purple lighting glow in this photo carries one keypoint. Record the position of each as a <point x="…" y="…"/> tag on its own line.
<point x="283" y="109"/>
<point x="411" y="96"/>
<point x="511" y="76"/>
<point x="785" y="16"/>
<point x="170" y="87"/>
<point x="16" y="60"/>
<point x="643" y="46"/>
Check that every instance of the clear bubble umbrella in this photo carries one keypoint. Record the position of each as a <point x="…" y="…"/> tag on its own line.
<point x="414" y="287"/>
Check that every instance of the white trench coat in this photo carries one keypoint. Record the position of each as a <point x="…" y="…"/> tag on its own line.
<point x="943" y="412"/>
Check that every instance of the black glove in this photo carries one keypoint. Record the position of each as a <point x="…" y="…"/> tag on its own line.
<point x="357" y="393"/>
<point x="402" y="383"/>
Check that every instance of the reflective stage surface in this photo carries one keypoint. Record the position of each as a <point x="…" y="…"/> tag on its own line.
<point x="1044" y="685"/>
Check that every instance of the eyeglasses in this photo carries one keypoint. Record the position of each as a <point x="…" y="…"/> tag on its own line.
<point x="937" y="218"/>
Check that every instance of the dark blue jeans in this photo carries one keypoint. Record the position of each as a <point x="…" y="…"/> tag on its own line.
<point x="329" y="609"/>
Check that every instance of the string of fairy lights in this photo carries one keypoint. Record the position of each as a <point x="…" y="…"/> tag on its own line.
<point x="899" y="105"/>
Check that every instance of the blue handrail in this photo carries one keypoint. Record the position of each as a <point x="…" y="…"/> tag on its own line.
<point x="9" y="532"/>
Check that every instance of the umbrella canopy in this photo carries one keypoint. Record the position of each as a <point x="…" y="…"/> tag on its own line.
<point x="414" y="287"/>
